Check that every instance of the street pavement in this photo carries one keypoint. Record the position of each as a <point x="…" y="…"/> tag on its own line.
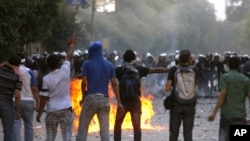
<point x="202" y="131"/>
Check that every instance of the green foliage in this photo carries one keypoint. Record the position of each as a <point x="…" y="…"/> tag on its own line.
<point x="237" y="10"/>
<point x="25" y="21"/>
<point x="63" y="28"/>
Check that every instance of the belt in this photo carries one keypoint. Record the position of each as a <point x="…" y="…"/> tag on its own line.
<point x="101" y="95"/>
<point x="97" y="94"/>
<point x="66" y="109"/>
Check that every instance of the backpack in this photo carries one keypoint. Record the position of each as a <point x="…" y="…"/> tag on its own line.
<point x="185" y="87"/>
<point x="130" y="84"/>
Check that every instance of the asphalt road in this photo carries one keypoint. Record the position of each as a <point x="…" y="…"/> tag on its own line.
<point x="202" y="131"/>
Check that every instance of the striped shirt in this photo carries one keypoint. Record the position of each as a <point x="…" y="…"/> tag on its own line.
<point x="9" y="82"/>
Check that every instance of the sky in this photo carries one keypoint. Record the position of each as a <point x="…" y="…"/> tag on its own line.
<point x="219" y="9"/>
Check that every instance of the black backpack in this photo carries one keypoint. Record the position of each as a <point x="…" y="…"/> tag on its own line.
<point x="129" y="85"/>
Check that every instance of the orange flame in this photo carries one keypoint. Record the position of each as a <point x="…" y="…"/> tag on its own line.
<point x="76" y="96"/>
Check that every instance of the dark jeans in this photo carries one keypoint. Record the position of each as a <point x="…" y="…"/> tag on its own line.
<point x="178" y="114"/>
<point x="134" y="107"/>
<point x="7" y="115"/>
<point x="224" y="128"/>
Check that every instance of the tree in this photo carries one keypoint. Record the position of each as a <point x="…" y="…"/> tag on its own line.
<point x="25" y="21"/>
<point x="237" y="10"/>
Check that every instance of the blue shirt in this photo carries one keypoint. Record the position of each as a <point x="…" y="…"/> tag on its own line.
<point x="98" y="76"/>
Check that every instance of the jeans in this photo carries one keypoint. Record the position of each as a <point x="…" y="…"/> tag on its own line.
<point x="27" y="113"/>
<point x="7" y="114"/>
<point x="62" y="117"/>
<point x="224" y="128"/>
<point x="94" y="104"/>
<point x="134" y="107"/>
<point x="178" y="114"/>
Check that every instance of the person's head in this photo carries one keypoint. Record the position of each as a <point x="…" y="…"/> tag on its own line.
<point x="234" y="62"/>
<point x="95" y="50"/>
<point x="22" y="56"/>
<point x="184" y="56"/>
<point x="216" y="57"/>
<point x="14" y="60"/>
<point x="53" y="61"/>
<point x="129" y="55"/>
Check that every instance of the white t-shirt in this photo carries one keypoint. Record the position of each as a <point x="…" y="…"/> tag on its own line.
<point x="28" y="80"/>
<point x="56" y="86"/>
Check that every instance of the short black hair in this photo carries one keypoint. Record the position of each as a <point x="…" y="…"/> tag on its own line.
<point x="129" y="55"/>
<point x="22" y="56"/>
<point x="53" y="61"/>
<point x="234" y="62"/>
<point x="184" y="56"/>
<point x="14" y="60"/>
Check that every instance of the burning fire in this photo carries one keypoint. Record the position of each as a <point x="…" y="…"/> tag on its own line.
<point x="76" y="96"/>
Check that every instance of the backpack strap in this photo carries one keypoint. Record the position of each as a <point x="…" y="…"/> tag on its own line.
<point x="181" y="68"/>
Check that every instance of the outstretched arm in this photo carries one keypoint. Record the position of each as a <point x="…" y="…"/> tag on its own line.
<point x="158" y="70"/>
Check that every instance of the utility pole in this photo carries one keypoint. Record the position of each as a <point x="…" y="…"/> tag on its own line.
<point x="92" y="20"/>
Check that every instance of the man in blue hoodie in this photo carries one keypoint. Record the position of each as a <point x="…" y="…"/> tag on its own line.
<point x="97" y="73"/>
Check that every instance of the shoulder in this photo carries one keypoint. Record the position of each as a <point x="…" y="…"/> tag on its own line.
<point x="66" y="62"/>
<point x="118" y="68"/>
<point x="173" y="69"/>
<point x="109" y="64"/>
<point x="141" y="67"/>
<point x="244" y="77"/>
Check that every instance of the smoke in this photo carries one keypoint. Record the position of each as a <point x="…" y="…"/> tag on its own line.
<point x="157" y="26"/>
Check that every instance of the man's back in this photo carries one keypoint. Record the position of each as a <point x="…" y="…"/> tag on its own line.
<point x="28" y="81"/>
<point x="236" y="86"/>
<point x="8" y="82"/>
<point x="98" y="73"/>
<point x="57" y="84"/>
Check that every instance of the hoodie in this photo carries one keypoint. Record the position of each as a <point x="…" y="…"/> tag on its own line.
<point x="97" y="70"/>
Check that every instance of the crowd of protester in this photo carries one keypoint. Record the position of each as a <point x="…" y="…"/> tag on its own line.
<point x="210" y="67"/>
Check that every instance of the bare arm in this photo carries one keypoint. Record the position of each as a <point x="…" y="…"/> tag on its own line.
<point x="158" y="70"/>
<point x="83" y="88"/>
<point x="17" y="103"/>
<point x="115" y="88"/>
<point x="35" y="93"/>
<point x="220" y="102"/>
<point x="15" y="68"/>
<point x="72" y="43"/>
<point x="168" y="86"/>
<point x="43" y="101"/>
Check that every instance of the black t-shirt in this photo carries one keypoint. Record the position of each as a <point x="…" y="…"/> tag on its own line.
<point x="143" y="71"/>
<point x="133" y="106"/>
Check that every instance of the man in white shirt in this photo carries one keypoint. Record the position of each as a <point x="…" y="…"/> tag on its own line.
<point x="56" y="93"/>
<point x="29" y="95"/>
